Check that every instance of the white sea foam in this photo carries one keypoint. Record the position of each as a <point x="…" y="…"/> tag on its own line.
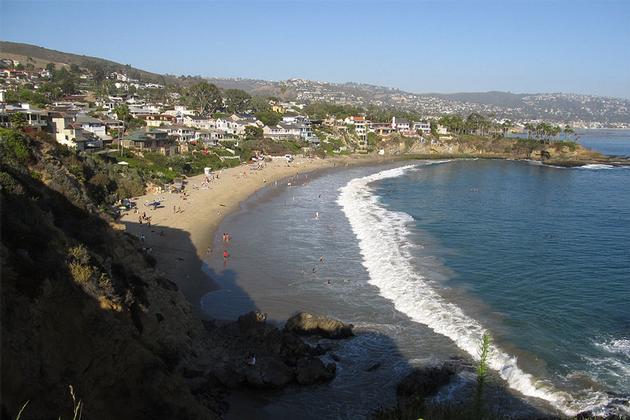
<point x="382" y="236"/>
<point x="596" y="166"/>
<point x="619" y="346"/>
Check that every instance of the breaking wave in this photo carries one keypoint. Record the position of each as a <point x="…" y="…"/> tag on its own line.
<point x="385" y="248"/>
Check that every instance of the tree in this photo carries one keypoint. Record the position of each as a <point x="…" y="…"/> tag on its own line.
<point x="269" y="118"/>
<point x="122" y="112"/>
<point x="236" y="100"/>
<point x="18" y="121"/>
<point x="50" y="67"/>
<point x="253" y="132"/>
<point x="259" y="104"/>
<point x="74" y="68"/>
<point x="506" y="126"/>
<point x="205" y="97"/>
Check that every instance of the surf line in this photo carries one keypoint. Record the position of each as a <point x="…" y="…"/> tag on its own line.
<point x="378" y="229"/>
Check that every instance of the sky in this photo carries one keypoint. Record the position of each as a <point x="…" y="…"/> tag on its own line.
<point x="418" y="46"/>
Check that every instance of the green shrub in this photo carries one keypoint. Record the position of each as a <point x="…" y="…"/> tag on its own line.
<point x="14" y="146"/>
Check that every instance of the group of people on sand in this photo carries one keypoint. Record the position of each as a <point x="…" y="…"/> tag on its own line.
<point x="144" y="218"/>
<point x="226" y="239"/>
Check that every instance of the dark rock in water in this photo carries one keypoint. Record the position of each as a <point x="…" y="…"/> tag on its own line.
<point x="269" y="372"/>
<point x="313" y="370"/>
<point x="373" y="367"/>
<point x="335" y="357"/>
<point x="309" y="324"/>
<point x="252" y="319"/>
<point x="426" y="381"/>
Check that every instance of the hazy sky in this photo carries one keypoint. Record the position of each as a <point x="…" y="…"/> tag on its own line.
<point x="419" y="46"/>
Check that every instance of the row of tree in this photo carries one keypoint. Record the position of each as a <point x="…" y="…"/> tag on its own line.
<point x="546" y="131"/>
<point x="476" y="123"/>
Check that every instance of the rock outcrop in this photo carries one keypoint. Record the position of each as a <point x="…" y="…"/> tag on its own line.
<point x="260" y="355"/>
<point x="304" y="323"/>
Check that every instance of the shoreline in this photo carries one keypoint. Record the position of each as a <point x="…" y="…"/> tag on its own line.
<point x="179" y="240"/>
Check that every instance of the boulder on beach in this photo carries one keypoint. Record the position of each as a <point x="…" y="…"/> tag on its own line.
<point x="426" y="381"/>
<point x="252" y="319"/>
<point x="308" y="324"/>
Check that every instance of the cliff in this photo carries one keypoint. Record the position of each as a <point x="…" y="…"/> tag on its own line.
<point x="82" y="306"/>
<point x="562" y="153"/>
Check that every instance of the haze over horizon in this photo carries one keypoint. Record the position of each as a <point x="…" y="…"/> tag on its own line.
<point x="420" y="47"/>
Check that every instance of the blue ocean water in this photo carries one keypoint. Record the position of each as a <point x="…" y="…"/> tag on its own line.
<point x="608" y="142"/>
<point x="546" y="250"/>
<point x="426" y="257"/>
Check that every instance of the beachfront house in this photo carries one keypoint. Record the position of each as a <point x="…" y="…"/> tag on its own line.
<point x="422" y="127"/>
<point x="150" y="139"/>
<point x="181" y="133"/>
<point x="400" y="125"/>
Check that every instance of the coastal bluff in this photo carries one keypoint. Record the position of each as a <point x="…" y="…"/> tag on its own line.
<point x="84" y="307"/>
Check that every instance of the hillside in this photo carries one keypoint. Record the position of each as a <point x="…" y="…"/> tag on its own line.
<point x="43" y="56"/>
<point x="561" y="108"/>
<point x="82" y="305"/>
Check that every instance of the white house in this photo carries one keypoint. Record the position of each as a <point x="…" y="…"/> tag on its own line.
<point x="424" y="127"/>
<point x="93" y="125"/>
<point x="400" y="124"/>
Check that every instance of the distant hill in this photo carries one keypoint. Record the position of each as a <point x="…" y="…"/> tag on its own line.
<point x="563" y="108"/>
<point x="495" y="98"/>
<point x="42" y="56"/>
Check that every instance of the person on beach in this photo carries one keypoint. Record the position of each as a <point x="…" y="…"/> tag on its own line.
<point x="141" y="238"/>
<point x="174" y="209"/>
<point x="321" y="259"/>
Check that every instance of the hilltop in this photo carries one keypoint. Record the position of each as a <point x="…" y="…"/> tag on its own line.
<point x="565" y="108"/>
<point x="42" y="56"/>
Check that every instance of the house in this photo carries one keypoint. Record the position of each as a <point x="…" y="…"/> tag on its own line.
<point x="140" y="112"/>
<point x="151" y="139"/>
<point x="382" y="129"/>
<point x="36" y="119"/>
<point x="423" y="127"/>
<point x="113" y="124"/>
<point x="209" y="138"/>
<point x="93" y="125"/>
<point x="400" y="125"/>
<point x="69" y="133"/>
<point x="354" y="120"/>
<point x="300" y="130"/>
<point x="199" y="122"/>
<point x="181" y="133"/>
<point x="159" y="120"/>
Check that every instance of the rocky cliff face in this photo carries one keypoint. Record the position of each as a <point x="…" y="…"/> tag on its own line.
<point x="474" y="146"/>
<point x="82" y="306"/>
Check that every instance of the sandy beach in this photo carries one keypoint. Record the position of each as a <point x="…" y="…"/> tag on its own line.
<point x="182" y="227"/>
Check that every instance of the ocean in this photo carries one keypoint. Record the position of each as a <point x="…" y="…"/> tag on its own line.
<point x="426" y="256"/>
